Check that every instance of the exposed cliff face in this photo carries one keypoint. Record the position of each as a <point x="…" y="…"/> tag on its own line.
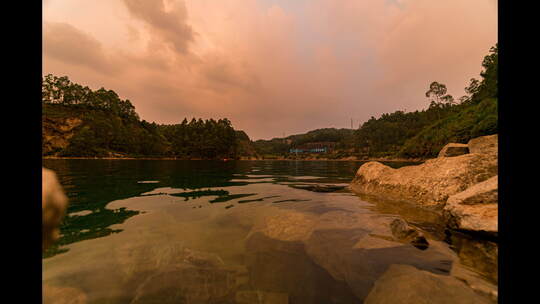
<point x="56" y="133"/>
<point x="82" y="131"/>
<point x="245" y="148"/>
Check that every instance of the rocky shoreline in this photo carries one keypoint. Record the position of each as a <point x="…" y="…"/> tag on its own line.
<point x="461" y="186"/>
<point x="389" y="160"/>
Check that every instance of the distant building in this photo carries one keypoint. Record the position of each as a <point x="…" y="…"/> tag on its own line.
<point x="315" y="147"/>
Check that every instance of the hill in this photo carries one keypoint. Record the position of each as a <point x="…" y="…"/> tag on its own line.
<point x="421" y="134"/>
<point x="337" y="140"/>
<point x="405" y="135"/>
<point x="79" y="122"/>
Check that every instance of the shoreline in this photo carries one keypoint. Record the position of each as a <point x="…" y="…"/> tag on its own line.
<point x="259" y="159"/>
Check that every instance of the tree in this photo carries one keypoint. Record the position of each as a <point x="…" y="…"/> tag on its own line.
<point x="437" y="94"/>
<point x="439" y="98"/>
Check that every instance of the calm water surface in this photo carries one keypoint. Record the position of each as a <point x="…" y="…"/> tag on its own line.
<point x="163" y="231"/>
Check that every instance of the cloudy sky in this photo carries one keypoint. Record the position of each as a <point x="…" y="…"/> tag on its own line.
<point x="272" y="67"/>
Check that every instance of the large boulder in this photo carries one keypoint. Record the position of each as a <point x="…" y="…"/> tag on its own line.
<point x="475" y="209"/>
<point x="407" y="284"/>
<point x="453" y="149"/>
<point x="430" y="183"/>
<point x="484" y="145"/>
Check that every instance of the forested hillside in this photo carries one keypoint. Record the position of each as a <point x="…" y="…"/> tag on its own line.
<point x="80" y="122"/>
<point x="421" y="134"/>
<point x="342" y="138"/>
<point x="418" y="134"/>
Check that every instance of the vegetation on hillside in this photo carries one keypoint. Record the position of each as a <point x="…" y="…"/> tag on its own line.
<point x="342" y="138"/>
<point x="418" y="134"/>
<point x="421" y="134"/>
<point x="112" y="127"/>
<point x="477" y="115"/>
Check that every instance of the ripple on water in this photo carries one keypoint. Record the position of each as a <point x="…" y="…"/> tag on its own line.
<point x="279" y="243"/>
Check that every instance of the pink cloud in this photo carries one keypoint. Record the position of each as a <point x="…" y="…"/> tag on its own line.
<point x="270" y="69"/>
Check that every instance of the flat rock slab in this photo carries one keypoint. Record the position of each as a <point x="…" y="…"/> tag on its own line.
<point x="475" y="209"/>
<point x="187" y="285"/>
<point x="407" y="284"/>
<point x="261" y="297"/>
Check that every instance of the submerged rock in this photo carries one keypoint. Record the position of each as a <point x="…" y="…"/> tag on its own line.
<point x="261" y="297"/>
<point x="407" y="284"/>
<point x="187" y="284"/>
<point x="402" y="231"/>
<point x="481" y="255"/>
<point x="474" y="281"/>
<point x="319" y="188"/>
<point x="284" y="269"/>
<point x="453" y="149"/>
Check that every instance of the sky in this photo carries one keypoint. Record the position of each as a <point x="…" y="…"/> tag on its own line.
<point x="272" y="67"/>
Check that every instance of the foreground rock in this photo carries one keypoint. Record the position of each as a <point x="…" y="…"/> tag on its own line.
<point x="407" y="284"/>
<point x="433" y="182"/>
<point x="63" y="295"/>
<point x="464" y="187"/>
<point x="475" y="209"/>
<point x="53" y="207"/>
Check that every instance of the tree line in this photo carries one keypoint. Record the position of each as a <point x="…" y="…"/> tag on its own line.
<point x="421" y="134"/>
<point x="112" y="127"/>
<point x="418" y="134"/>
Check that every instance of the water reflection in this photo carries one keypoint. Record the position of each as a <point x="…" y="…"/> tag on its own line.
<point x="295" y="234"/>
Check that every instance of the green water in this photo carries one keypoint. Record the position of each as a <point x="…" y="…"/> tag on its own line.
<point x="164" y="231"/>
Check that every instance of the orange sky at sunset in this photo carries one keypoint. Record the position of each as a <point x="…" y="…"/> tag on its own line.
<point x="270" y="66"/>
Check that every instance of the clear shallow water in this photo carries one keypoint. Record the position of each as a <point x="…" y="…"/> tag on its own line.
<point x="162" y="231"/>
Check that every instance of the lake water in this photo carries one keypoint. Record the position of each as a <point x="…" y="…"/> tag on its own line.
<point x="164" y="231"/>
